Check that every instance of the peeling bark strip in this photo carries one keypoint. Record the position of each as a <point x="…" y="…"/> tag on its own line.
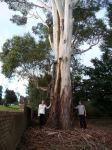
<point x="61" y="96"/>
<point x="61" y="99"/>
<point x="54" y="117"/>
<point x="61" y="85"/>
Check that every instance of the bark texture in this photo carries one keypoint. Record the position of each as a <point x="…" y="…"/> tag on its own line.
<point x="61" y="85"/>
<point x="60" y="98"/>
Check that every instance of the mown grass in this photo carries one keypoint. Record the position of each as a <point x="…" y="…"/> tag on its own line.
<point x="14" y="108"/>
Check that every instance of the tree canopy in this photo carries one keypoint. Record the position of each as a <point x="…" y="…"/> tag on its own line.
<point x="10" y="97"/>
<point x="22" y="55"/>
<point x="87" y="28"/>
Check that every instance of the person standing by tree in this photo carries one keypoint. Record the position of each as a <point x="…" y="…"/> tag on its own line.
<point x="82" y="114"/>
<point x="41" y="113"/>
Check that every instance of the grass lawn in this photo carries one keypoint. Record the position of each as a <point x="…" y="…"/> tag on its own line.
<point x="14" y="108"/>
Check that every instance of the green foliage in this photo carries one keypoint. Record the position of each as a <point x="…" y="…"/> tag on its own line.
<point x="44" y="81"/>
<point x="109" y="15"/>
<point x="10" y="97"/>
<point x="99" y="84"/>
<point x="35" y="94"/>
<point x="15" y="53"/>
<point x="86" y="27"/>
<point x="1" y="93"/>
<point x="24" y="56"/>
<point x="19" y="20"/>
<point x="76" y="77"/>
<point x="95" y="89"/>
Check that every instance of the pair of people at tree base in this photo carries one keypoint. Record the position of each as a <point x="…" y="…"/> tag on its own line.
<point x="81" y="111"/>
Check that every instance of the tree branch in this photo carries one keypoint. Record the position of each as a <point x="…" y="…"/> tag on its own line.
<point x="75" y="2"/>
<point x="37" y="16"/>
<point x="43" y="5"/>
<point x="90" y="47"/>
<point x="51" y="41"/>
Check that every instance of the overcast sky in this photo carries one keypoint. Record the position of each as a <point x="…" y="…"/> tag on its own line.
<point x="8" y="30"/>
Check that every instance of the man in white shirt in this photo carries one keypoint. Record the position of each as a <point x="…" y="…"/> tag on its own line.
<point x="82" y="114"/>
<point x="41" y="112"/>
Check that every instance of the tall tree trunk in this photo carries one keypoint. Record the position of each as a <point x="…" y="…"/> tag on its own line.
<point x="61" y="86"/>
<point x="61" y="96"/>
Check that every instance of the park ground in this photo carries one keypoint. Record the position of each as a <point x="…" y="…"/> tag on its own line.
<point x="98" y="136"/>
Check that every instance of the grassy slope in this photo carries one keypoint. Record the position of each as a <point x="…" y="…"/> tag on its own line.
<point x="14" y="108"/>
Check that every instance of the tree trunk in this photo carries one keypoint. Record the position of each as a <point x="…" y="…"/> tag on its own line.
<point x="61" y="96"/>
<point x="61" y="85"/>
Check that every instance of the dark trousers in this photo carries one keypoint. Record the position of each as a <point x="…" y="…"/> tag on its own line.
<point x="42" y="120"/>
<point x="82" y="121"/>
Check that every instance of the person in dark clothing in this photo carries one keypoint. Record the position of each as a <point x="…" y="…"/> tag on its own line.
<point x="42" y="120"/>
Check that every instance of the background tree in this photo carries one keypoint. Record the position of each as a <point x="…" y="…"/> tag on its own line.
<point x="1" y="94"/>
<point x="63" y="39"/>
<point x="95" y="89"/>
<point x="10" y="97"/>
<point x="24" y="57"/>
<point x="36" y="95"/>
<point x="101" y="82"/>
<point x="76" y="78"/>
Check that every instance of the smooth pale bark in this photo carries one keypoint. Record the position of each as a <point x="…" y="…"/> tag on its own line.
<point x="61" y="98"/>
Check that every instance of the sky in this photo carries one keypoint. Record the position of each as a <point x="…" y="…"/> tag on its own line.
<point x="9" y="29"/>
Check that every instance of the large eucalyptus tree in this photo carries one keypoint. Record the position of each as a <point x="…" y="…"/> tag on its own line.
<point x="70" y="23"/>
